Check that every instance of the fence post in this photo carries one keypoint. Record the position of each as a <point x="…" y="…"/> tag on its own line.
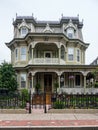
<point x="30" y="102"/>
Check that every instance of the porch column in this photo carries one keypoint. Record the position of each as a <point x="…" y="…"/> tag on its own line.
<point x="33" y="83"/>
<point x="84" y="84"/>
<point x="59" y="80"/>
<point x="59" y="54"/>
<point x="32" y="55"/>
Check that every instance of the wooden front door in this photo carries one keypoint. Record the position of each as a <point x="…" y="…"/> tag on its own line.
<point x="48" y="87"/>
<point x="48" y="83"/>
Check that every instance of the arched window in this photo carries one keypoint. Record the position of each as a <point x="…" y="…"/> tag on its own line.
<point x="16" y="54"/>
<point x="62" y="52"/>
<point x="70" y="32"/>
<point x="78" y="55"/>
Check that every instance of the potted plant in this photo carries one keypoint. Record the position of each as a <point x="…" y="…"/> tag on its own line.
<point x="37" y="87"/>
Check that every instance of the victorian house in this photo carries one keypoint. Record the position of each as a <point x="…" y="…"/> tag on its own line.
<point x="46" y="53"/>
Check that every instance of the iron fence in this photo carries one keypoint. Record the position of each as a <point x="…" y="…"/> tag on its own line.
<point x="12" y="101"/>
<point x="60" y="101"/>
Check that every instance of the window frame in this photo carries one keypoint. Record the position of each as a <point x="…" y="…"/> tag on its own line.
<point x="62" y="52"/>
<point x="70" y="30"/>
<point x="23" y="81"/>
<point x="22" y="54"/>
<point x="16" y="54"/>
<point x="78" y="55"/>
<point x="24" y="29"/>
<point x="70" y="55"/>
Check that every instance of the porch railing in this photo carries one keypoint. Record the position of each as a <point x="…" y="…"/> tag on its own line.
<point x="79" y="90"/>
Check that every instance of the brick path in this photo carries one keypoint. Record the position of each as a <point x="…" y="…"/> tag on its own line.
<point x="42" y="120"/>
<point x="65" y="123"/>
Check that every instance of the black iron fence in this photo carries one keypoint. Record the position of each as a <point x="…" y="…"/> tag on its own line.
<point x="12" y="101"/>
<point x="60" y="101"/>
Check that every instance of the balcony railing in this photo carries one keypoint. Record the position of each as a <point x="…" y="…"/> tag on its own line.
<point x="46" y="61"/>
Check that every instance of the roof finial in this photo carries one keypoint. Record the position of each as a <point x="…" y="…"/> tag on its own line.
<point x="82" y="20"/>
<point x="62" y="15"/>
<point x="16" y="14"/>
<point x="32" y="14"/>
<point x="78" y="15"/>
<point x="13" y="19"/>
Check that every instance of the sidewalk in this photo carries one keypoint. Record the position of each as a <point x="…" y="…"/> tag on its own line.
<point x="48" y="120"/>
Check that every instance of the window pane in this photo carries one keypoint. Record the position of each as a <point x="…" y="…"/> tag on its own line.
<point x="78" y="55"/>
<point x="16" y="54"/>
<point x="23" y="53"/>
<point x="23" y="80"/>
<point x="70" y="32"/>
<point x="70" y="57"/>
<point x="62" y="52"/>
<point x="70" y="53"/>
<point x="24" y="31"/>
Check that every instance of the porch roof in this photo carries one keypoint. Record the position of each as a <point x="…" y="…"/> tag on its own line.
<point x="60" y="67"/>
<point x="32" y="35"/>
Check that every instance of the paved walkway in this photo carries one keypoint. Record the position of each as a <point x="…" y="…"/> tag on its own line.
<point x="45" y="120"/>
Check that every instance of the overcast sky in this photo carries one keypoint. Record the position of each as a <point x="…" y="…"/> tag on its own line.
<point x="50" y="10"/>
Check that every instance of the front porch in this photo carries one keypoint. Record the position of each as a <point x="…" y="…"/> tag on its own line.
<point x="67" y="82"/>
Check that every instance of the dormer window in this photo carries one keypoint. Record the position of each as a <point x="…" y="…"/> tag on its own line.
<point x="70" y="32"/>
<point x="24" y="31"/>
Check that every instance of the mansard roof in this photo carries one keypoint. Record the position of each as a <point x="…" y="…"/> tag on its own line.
<point x="31" y="19"/>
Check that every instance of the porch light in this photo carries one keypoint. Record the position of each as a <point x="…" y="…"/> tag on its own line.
<point x="62" y="79"/>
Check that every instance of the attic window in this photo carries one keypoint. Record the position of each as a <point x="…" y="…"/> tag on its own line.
<point x="70" y="32"/>
<point x="24" y="31"/>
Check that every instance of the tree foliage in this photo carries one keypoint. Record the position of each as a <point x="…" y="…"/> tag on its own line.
<point x="8" y="77"/>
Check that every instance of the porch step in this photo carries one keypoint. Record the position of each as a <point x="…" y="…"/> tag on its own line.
<point x="40" y="108"/>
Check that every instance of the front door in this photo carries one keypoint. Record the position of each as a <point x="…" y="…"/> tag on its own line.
<point x="48" y="87"/>
<point x="48" y="83"/>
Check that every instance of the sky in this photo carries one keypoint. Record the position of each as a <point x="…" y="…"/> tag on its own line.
<point x="50" y="10"/>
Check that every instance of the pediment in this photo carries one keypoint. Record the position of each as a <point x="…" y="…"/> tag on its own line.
<point x="23" y="24"/>
<point x="70" y="25"/>
<point x="47" y="29"/>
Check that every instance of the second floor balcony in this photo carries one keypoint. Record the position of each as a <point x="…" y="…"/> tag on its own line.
<point x="47" y="61"/>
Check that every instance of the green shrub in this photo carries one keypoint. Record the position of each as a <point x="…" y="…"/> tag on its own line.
<point x="96" y="85"/>
<point x="58" y="105"/>
<point x="25" y="94"/>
